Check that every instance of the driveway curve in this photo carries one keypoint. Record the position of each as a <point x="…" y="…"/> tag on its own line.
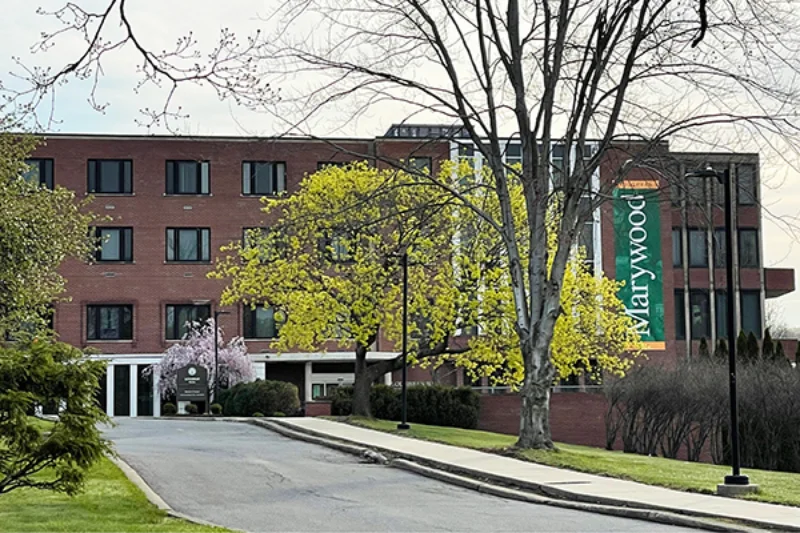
<point x="245" y="477"/>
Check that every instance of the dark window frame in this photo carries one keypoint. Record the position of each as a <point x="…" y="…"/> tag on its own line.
<point x="95" y="322"/>
<point x="94" y="176"/>
<point x="125" y="244"/>
<point x="689" y="233"/>
<point x="746" y="193"/>
<point x="720" y="247"/>
<point x="679" y="262"/>
<point x="173" y="177"/>
<point x="46" y="169"/>
<point x="175" y="328"/>
<point x="203" y="252"/>
<point x="702" y="334"/>
<point x="743" y="312"/>
<point x="721" y="313"/>
<point x="757" y="259"/>
<point x="249" y="182"/>
<point x="250" y="321"/>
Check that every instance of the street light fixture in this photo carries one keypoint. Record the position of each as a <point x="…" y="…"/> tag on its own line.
<point x="216" y="354"/>
<point x="736" y="479"/>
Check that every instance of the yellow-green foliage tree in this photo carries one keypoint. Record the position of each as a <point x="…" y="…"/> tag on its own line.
<point x="592" y="332"/>
<point x="330" y="267"/>
<point x="39" y="229"/>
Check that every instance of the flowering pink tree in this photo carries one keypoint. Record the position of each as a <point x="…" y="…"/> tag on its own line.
<point x="197" y="347"/>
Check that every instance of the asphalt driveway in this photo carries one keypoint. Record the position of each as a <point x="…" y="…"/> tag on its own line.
<point x="246" y="477"/>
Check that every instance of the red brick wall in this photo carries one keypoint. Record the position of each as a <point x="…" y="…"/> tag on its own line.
<point x="318" y="408"/>
<point x="150" y="283"/>
<point x="575" y="418"/>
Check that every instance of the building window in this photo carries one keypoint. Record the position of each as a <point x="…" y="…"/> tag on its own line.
<point x="698" y="248"/>
<point x="421" y="164"/>
<point x="323" y="164"/>
<point x="700" y="314"/>
<point x="187" y="177"/>
<point x="109" y="322"/>
<point x="586" y="239"/>
<point x="323" y="390"/>
<point x="110" y="176"/>
<point x="188" y="244"/>
<point x="260" y="323"/>
<point x="180" y="318"/>
<point x="748" y="248"/>
<point x="719" y="248"/>
<point x="514" y="154"/>
<point x="263" y="178"/>
<point x="680" y="316"/>
<point x="717" y="191"/>
<point x="677" y="247"/>
<point x="721" y="308"/>
<point x="751" y="312"/>
<point x="746" y="184"/>
<point x="40" y="172"/>
<point x="337" y="247"/>
<point x="115" y="244"/>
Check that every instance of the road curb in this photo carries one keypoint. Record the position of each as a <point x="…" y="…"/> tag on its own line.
<point x="513" y="494"/>
<point x="153" y="497"/>
<point x="554" y="495"/>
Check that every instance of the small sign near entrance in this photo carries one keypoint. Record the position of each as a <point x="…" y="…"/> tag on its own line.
<point x="192" y="383"/>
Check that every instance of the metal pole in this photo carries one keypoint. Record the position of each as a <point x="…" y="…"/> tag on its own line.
<point x="736" y="478"/>
<point x="216" y="359"/>
<point x="404" y="398"/>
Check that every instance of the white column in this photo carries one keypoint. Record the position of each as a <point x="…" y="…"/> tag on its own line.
<point x="110" y="390"/>
<point x="133" y="386"/>
<point x="387" y="379"/>
<point x="156" y="396"/>
<point x="307" y="381"/>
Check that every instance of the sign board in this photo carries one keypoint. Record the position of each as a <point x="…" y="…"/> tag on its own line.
<point x="637" y="238"/>
<point x="192" y="384"/>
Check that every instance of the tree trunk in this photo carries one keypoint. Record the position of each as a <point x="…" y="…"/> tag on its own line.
<point x="362" y="384"/>
<point x="534" y="431"/>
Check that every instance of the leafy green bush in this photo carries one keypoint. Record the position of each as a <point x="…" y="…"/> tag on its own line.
<point x="216" y="409"/>
<point x="427" y="404"/>
<point x="257" y="414"/>
<point x="263" y="396"/>
<point x="278" y="414"/>
<point x="191" y="409"/>
<point x="169" y="409"/>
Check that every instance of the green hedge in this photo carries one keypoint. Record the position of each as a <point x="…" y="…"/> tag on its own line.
<point x="260" y="396"/>
<point x="427" y="404"/>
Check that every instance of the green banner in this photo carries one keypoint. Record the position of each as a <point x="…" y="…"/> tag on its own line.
<point x="637" y="236"/>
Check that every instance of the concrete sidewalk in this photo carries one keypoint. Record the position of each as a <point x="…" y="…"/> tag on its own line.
<point x="554" y="481"/>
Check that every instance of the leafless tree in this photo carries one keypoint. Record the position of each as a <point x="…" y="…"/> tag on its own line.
<point x="588" y="74"/>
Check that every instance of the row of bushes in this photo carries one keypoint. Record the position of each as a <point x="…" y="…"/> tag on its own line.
<point x="661" y="411"/>
<point x="261" y="396"/>
<point x="427" y="404"/>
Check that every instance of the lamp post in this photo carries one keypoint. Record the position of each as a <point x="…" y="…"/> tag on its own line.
<point x="216" y="354"/>
<point x="736" y="479"/>
<point x="403" y="396"/>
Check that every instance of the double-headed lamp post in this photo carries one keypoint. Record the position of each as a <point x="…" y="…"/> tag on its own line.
<point x="724" y="178"/>
<point x="216" y="353"/>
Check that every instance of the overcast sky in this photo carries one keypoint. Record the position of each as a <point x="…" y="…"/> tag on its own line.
<point x="160" y="23"/>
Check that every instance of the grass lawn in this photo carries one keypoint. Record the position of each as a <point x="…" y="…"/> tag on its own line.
<point x="775" y="487"/>
<point x="109" y="502"/>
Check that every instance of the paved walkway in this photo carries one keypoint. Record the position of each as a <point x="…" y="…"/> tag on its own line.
<point x="576" y="483"/>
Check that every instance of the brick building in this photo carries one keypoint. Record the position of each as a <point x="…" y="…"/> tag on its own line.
<point x="172" y="202"/>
